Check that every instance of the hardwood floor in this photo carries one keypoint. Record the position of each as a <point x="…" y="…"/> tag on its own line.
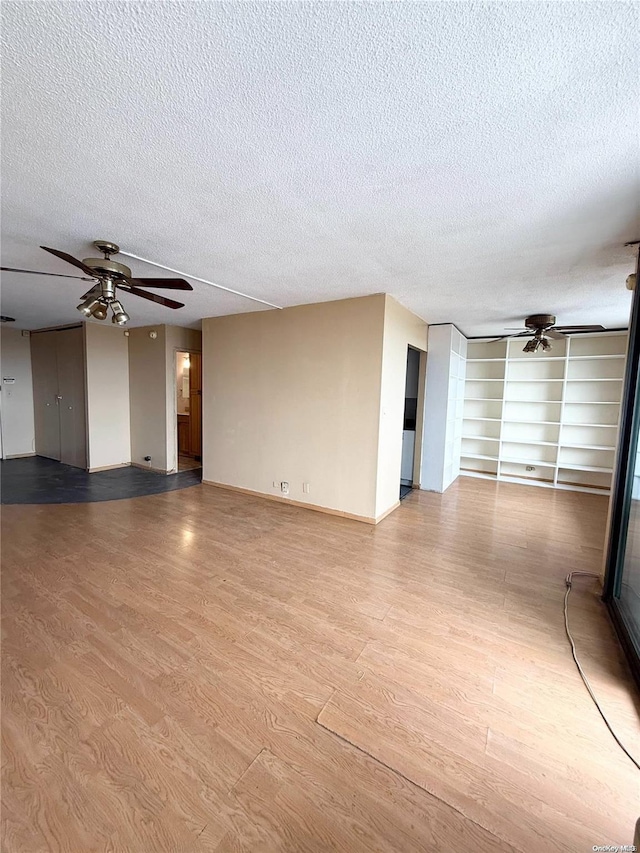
<point x="188" y="463"/>
<point x="207" y="671"/>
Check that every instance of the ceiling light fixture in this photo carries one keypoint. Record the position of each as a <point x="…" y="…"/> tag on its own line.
<point x="539" y="340"/>
<point x="99" y="312"/>
<point x="90" y="303"/>
<point x="120" y="316"/>
<point x="107" y="276"/>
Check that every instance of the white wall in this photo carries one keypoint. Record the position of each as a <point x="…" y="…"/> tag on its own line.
<point x="108" y="411"/>
<point x="148" y="396"/>
<point x="294" y="395"/>
<point x="402" y="329"/>
<point x="18" y="431"/>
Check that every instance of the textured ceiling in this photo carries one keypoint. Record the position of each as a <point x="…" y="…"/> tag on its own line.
<point x="479" y="162"/>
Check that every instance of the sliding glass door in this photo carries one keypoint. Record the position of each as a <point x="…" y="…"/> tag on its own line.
<point x="628" y="592"/>
<point x="622" y="582"/>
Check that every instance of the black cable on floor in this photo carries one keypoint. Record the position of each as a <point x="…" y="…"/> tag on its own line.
<point x="568" y="581"/>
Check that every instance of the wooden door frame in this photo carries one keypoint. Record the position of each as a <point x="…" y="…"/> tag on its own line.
<point x="174" y="405"/>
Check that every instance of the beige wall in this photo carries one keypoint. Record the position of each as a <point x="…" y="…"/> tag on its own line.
<point x="402" y="329"/>
<point x="177" y="339"/>
<point x="107" y="376"/>
<point x="18" y="431"/>
<point x="147" y="393"/>
<point x="294" y="395"/>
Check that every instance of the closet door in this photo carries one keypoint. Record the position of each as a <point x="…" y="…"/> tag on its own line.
<point x="44" y="361"/>
<point x="71" y="390"/>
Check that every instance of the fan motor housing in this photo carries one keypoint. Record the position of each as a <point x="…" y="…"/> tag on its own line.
<point x="107" y="267"/>
<point x="540" y="321"/>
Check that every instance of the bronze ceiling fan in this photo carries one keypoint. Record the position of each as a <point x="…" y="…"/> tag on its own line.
<point x="541" y="327"/>
<point x="107" y="277"/>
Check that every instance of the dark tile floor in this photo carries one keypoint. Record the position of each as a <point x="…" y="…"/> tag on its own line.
<point x="404" y="491"/>
<point x="36" y="480"/>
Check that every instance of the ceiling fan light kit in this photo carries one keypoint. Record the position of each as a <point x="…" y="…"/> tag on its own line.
<point x="108" y="276"/>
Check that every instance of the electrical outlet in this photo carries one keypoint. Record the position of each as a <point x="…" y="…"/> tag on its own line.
<point x="284" y="487"/>
<point x="305" y="488"/>
<point x="530" y="468"/>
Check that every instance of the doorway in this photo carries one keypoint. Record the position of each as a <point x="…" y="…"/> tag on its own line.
<point x="189" y="409"/>
<point x="412" y="383"/>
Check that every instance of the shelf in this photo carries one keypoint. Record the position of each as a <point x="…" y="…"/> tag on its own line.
<point x="583" y="379"/>
<point x="480" y="438"/>
<point x="478" y="456"/>
<point x="488" y="360"/>
<point x="530" y="381"/>
<point x="494" y="420"/>
<point x="603" y="426"/>
<point x="589" y="446"/>
<point x="591" y="357"/>
<point x="552" y="423"/>
<point x="529" y="441"/>
<point x="486" y="399"/>
<point x="518" y="478"/>
<point x="481" y="475"/>
<point x="535" y="462"/>
<point x="568" y="466"/>
<point x="548" y="358"/>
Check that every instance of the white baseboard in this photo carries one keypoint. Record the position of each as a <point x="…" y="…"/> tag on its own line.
<point x="315" y="507"/>
<point x="150" y="468"/>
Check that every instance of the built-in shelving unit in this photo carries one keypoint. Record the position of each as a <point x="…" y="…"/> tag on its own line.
<point x="547" y="419"/>
<point x="444" y="407"/>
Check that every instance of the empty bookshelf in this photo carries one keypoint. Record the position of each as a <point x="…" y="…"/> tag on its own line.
<point x="544" y="418"/>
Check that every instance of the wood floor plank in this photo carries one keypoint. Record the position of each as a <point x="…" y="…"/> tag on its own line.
<point x="161" y="686"/>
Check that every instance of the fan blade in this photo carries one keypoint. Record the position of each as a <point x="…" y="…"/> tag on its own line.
<point x="518" y="335"/>
<point x="555" y="334"/>
<point x="580" y="328"/>
<point x="153" y="297"/>
<point x="39" y="272"/>
<point x="167" y="283"/>
<point x="70" y="260"/>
